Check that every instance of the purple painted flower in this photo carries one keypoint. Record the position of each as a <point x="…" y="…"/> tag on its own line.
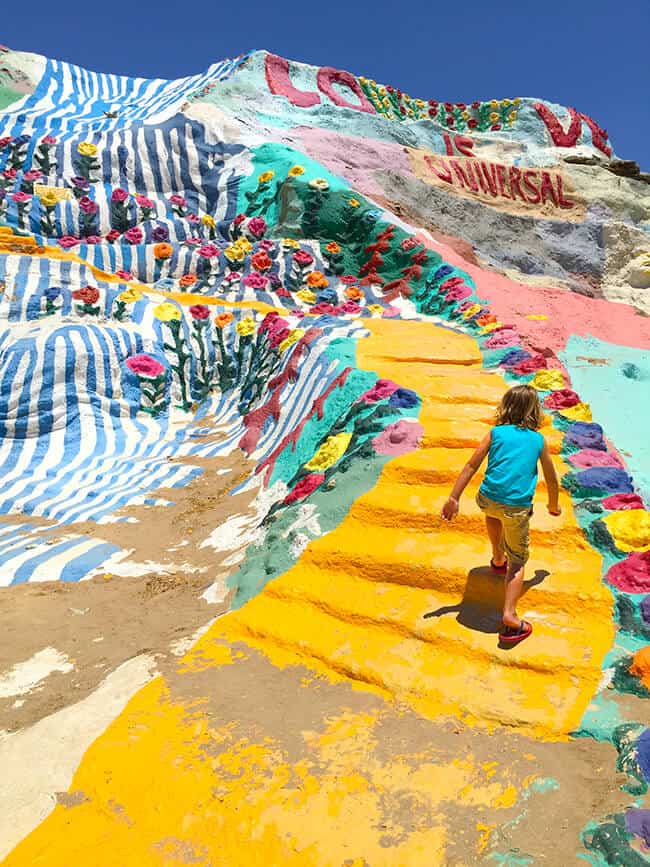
<point x="80" y="183"/>
<point x="22" y="140"/>
<point x="88" y="206"/>
<point x="134" y="235"/>
<point x="119" y="195"/>
<point x="257" y="226"/>
<point x="160" y="233"/>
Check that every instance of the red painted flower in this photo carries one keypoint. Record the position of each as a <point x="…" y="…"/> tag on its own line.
<point x="145" y="365"/>
<point x="21" y="198"/>
<point x="134" y="235"/>
<point x="461" y="106"/>
<point x="208" y="251"/>
<point x="5" y="141"/>
<point x="68" y="241"/>
<point x="239" y="219"/>
<point x="87" y="294"/>
<point x="9" y="174"/>
<point x="476" y="105"/>
<point x="119" y="195"/>
<point x="495" y="127"/>
<point x="111" y="236"/>
<point x="449" y="106"/>
<point x="348" y="279"/>
<point x="200" y="312"/>
<point x="306" y="486"/>
<point x="409" y="244"/>
<point x="261" y="261"/>
<point x="472" y="123"/>
<point x="450" y="120"/>
<point x="124" y="275"/>
<point x="303" y="258"/>
<point x="433" y="112"/>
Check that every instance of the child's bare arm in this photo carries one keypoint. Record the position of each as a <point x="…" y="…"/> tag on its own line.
<point x="552" y="484"/>
<point x="450" y="508"/>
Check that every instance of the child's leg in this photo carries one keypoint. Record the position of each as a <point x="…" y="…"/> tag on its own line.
<point x="516" y="538"/>
<point x="514" y="586"/>
<point x="494" y="529"/>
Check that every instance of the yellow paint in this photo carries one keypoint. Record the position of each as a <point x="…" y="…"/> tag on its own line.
<point x="328" y="454"/>
<point x="579" y="412"/>
<point x="548" y="380"/>
<point x="630" y="529"/>
<point x="535" y="316"/>
<point x="165" y="784"/>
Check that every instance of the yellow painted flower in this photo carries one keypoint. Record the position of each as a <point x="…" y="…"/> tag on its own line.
<point x="505" y="102"/>
<point x="329" y="453"/>
<point x="471" y="311"/>
<point x="296" y="171"/>
<point x="290" y="244"/>
<point x="245" y="327"/>
<point x="373" y="83"/>
<point x="166" y="312"/>
<point x="406" y="97"/>
<point x="548" y="380"/>
<point x="494" y="117"/>
<point x="307" y="296"/>
<point x="87" y="149"/>
<point x="516" y="100"/>
<point x="410" y="112"/>
<point x="363" y="80"/>
<point x="466" y="114"/>
<point x="243" y="244"/>
<point x="494" y="103"/>
<point x="208" y="220"/>
<point x="386" y="102"/>
<point x="382" y="90"/>
<point x="49" y="199"/>
<point x="130" y="296"/>
<point x="319" y="184"/>
<point x="630" y="529"/>
<point x="265" y="177"/>
<point x="420" y="103"/>
<point x="294" y="337"/>
<point x="234" y="253"/>
<point x="491" y="326"/>
<point x="376" y="309"/>
<point x="354" y="203"/>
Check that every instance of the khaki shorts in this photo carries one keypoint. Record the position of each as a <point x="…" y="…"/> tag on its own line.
<point x="515" y="520"/>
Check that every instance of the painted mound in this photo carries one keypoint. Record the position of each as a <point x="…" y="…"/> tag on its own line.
<point x="254" y="321"/>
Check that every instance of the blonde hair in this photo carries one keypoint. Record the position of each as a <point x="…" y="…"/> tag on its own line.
<point x="520" y="406"/>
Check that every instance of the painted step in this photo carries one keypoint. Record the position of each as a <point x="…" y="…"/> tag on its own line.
<point x="564" y="577"/>
<point x="406" y="341"/>
<point x="450" y="382"/>
<point x="418" y="506"/>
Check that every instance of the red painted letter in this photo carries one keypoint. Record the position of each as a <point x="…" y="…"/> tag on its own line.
<point x="547" y="187"/>
<point x="326" y="77"/>
<point x="277" y="78"/>
<point x="530" y="186"/>
<point x="561" y="139"/>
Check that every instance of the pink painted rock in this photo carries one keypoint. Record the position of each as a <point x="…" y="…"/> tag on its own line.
<point x="382" y="389"/>
<point x="502" y="339"/>
<point x="398" y="438"/>
<point x="631" y="575"/>
<point x="563" y="398"/>
<point x="621" y="502"/>
<point x="530" y="365"/>
<point x="593" y="458"/>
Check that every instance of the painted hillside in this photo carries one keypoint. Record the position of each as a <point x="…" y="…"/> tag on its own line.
<point x="253" y="324"/>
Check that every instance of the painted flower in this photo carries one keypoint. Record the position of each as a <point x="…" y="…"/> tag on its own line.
<point x="166" y="312"/>
<point x="494" y="117"/>
<point x="239" y="219"/>
<point x="80" y="183"/>
<point x="32" y="175"/>
<point x="49" y="199"/>
<point x="53" y="292"/>
<point x="294" y="336"/>
<point x="494" y="103"/>
<point x="68" y="241"/>
<point x="165" y="284"/>
<point x="200" y="312"/>
<point x="333" y="248"/>
<point x="265" y="177"/>
<point x="193" y="242"/>
<point x="348" y="279"/>
<point x="87" y="149"/>
<point x="404" y="398"/>
<point x="134" y="235"/>
<point x="188" y="280"/>
<point x="409" y="244"/>
<point x="257" y="227"/>
<point x="472" y="123"/>
<point x="130" y="295"/>
<point x="87" y="295"/>
<point x="9" y="174"/>
<point x="350" y="307"/>
<point x="303" y="258"/>
<point x="5" y="140"/>
<point x="296" y="171"/>
<point x="495" y="127"/>
<point x="144" y="202"/>
<point x="111" y="236"/>
<point x="261" y="261"/>
<point x="160" y="233"/>
<point x="327" y="296"/>
<point x="223" y="319"/>
<point x="234" y="253"/>
<point x="124" y="275"/>
<point x="375" y="309"/>
<point x="245" y="327"/>
<point x="353" y="293"/>
<point x="255" y="281"/>
<point x="322" y="308"/>
<point x="145" y="365"/>
<point x="119" y="195"/>
<point x="306" y="486"/>
<point x="266" y="244"/>
<point x="163" y="251"/>
<point x="208" y="220"/>
<point x="330" y="452"/>
<point x="208" y="251"/>
<point x="244" y="244"/>
<point x="92" y="239"/>
<point x="193" y="218"/>
<point x="319" y="184"/>
<point x="177" y="200"/>
<point x="307" y="296"/>
<point x="398" y="438"/>
<point x="21" y="198"/>
<point x="354" y="203"/>
<point x="87" y="205"/>
<point x="290" y="244"/>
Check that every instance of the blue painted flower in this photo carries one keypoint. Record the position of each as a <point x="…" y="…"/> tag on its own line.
<point x="22" y="140"/>
<point x="166" y="284"/>
<point x="327" y="296"/>
<point x="53" y="292"/>
<point x="160" y="233"/>
<point x="443" y="271"/>
<point x="404" y="398"/>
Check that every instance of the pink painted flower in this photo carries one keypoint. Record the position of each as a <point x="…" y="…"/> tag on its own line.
<point x="177" y="200"/>
<point x="502" y="339"/>
<point x="390" y="311"/>
<point x="145" y="365"/>
<point x="134" y="235"/>
<point x="257" y="226"/>
<point x="623" y="502"/>
<point x="32" y="175"/>
<point x="350" y="307"/>
<point x="409" y="244"/>
<point x="193" y="242"/>
<point x="9" y="174"/>
<point x="303" y="258"/>
<point x="48" y="140"/>
<point x="266" y="244"/>
<point x="278" y="335"/>
<point x="68" y="241"/>
<point x="88" y="206"/>
<point x="119" y="195"/>
<point x="111" y="236"/>
<point x="231" y="278"/>
<point x="144" y="202"/>
<point x="281" y="292"/>
<point x="306" y="486"/>
<point x="268" y="321"/>
<point x="5" y="141"/>
<point x="239" y="219"/>
<point x="587" y="458"/>
<point x="199" y="312"/>
<point x="255" y="281"/>
<point x="21" y="198"/>
<point x="382" y="389"/>
<point x="458" y="293"/>
<point x="563" y="398"/>
<point x="193" y="218"/>
<point x="208" y="251"/>
<point x="124" y="275"/>
<point x="92" y="239"/>
<point x="398" y="438"/>
<point x="348" y="279"/>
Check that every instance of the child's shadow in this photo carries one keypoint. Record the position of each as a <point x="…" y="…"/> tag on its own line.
<point x="482" y="602"/>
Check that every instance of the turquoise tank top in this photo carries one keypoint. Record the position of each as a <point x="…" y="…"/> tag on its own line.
<point x="511" y="475"/>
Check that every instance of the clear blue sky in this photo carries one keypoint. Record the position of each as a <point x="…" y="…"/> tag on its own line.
<point x="592" y="54"/>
